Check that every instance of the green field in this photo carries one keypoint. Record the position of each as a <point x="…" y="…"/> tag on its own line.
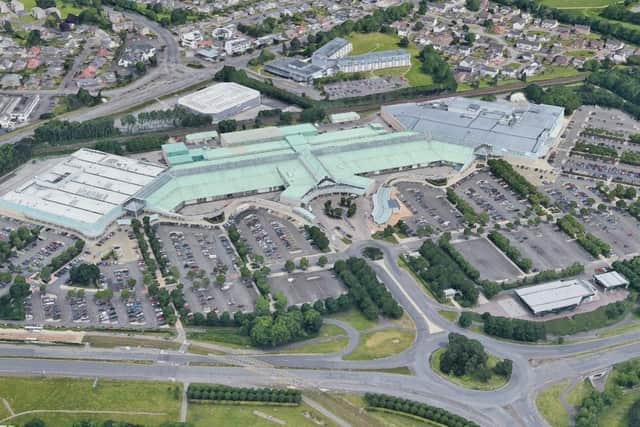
<point x="382" y="343"/>
<point x="549" y="405"/>
<point x="65" y="8"/>
<point x="467" y="381"/>
<point x="577" y="4"/>
<point x="161" y="400"/>
<point x="371" y="42"/>
<point x="207" y="415"/>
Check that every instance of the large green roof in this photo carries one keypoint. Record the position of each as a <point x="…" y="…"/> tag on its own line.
<point x="297" y="159"/>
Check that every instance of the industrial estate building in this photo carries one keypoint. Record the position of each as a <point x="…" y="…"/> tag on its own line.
<point x="16" y="109"/>
<point x="556" y="296"/>
<point x="296" y="160"/>
<point x="85" y="192"/>
<point x="521" y="129"/>
<point x="221" y="100"/>
<point x="332" y="57"/>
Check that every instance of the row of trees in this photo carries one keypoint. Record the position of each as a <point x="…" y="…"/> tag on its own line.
<point x="12" y="304"/>
<point x="503" y="243"/>
<point x="60" y="260"/>
<point x="592" y="244"/>
<point x="56" y="132"/>
<point x="155" y="245"/>
<point x="318" y="238"/>
<point x="595" y="150"/>
<point x="547" y="276"/>
<point x="469" y="215"/>
<point x="513" y="329"/>
<point x="421" y="410"/>
<point x="436" y="268"/>
<point x="518" y="183"/>
<point x="241" y="394"/>
<point x="366" y="291"/>
<point x="434" y="64"/>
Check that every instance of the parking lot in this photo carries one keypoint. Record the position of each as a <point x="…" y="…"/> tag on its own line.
<point x="486" y="193"/>
<point x="487" y="259"/>
<point x="429" y="207"/>
<point x="37" y="254"/>
<point x="300" y="288"/>
<point x="546" y="246"/>
<point x="272" y="237"/>
<point x="202" y="255"/>
<point x="350" y="89"/>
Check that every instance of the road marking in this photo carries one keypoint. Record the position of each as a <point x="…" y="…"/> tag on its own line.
<point x="431" y="327"/>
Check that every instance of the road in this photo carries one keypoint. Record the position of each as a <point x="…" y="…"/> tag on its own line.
<point x="535" y="366"/>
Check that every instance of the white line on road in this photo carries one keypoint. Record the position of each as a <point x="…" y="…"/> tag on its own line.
<point x="432" y="327"/>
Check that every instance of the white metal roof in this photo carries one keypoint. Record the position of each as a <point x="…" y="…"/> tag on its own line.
<point x="611" y="279"/>
<point x="218" y="98"/>
<point x="555" y="295"/>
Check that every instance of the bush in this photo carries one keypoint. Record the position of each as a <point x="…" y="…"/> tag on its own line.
<point x="465" y="319"/>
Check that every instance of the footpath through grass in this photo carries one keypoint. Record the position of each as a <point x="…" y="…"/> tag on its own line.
<point x="550" y="407"/>
<point x="334" y="340"/>
<point x="467" y="381"/>
<point x="27" y="394"/>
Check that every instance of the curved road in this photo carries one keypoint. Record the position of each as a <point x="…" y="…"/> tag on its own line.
<point x="535" y="366"/>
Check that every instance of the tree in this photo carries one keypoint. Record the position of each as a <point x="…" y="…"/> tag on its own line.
<point x="322" y="261"/>
<point x="228" y="125"/>
<point x="633" y="418"/>
<point x="504" y="368"/>
<point x="289" y="266"/>
<point x="45" y="4"/>
<point x="372" y="253"/>
<point x="33" y="38"/>
<point x="35" y="422"/>
<point x="465" y="319"/>
<point x="85" y="274"/>
<point x="404" y="42"/>
<point x="463" y="356"/>
<point x="303" y="263"/>
<point x="472" y="5"/>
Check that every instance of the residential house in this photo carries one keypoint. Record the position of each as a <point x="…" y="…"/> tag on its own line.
<point x="38" y="13"/>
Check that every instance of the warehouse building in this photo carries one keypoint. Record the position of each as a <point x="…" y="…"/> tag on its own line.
<point x="554" y="297"/>
<point x="522" y="129"/>
<point x="85" y="192"/>
<point x="297" y="161"/>
<point x="221" y="100"/>
<point x="611" y="280"/>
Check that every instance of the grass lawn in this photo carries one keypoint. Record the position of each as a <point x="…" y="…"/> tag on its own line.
<point x="382" y="343"/>
<point x="348" y="407"/>
<point x="554" y="72"/>
<point x="371" y="42"/>
<point x="616" y="415"/>
<point x="581" y="52"/>
<point x="226" y="336"/>
<point x="206" y="415"/>
<point x="393" y="419"/>
<point x="105" y="341"/>
<point x="337" y="343"/>
<point x="451" y="316"/>
<point x="577" y="4"/>
<point x="24" y="394"/>
<point x="548" y="403"/>
<point x="355" y="319"/>
<point x="64" y="7"/>
<point x="496" y="381"/>
<point x="579" y="392"/>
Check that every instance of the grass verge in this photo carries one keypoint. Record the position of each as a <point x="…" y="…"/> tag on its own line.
<point x="110" y="341"/>
<point x="550" y="407"/>
<point x="381" y="343"/>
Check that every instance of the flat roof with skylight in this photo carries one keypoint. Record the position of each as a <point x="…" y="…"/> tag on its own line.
<point x="555" y="296"/>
